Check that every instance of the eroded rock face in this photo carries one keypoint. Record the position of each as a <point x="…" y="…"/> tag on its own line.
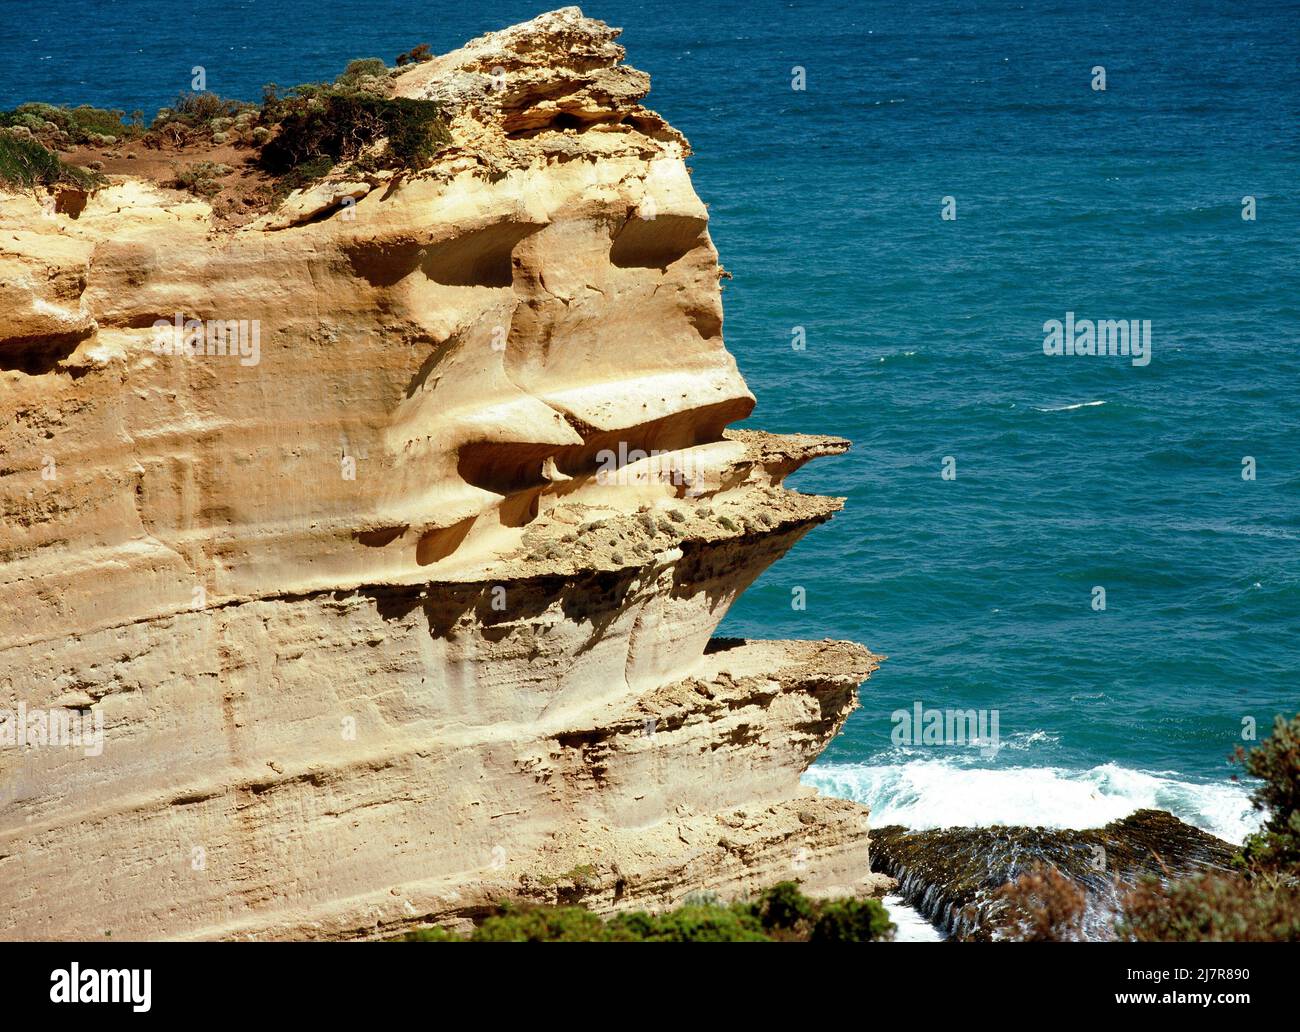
<point x="403" y="603"/>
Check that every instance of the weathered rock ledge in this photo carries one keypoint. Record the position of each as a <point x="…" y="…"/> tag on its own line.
<point x="410" y="607"/>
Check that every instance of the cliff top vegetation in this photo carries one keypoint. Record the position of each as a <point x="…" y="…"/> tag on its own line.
<point x="243" y="157"/>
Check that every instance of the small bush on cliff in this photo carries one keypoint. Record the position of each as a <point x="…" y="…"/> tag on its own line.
<point x="362" y="68"/>
<point x="542" y="924"/>
<point x="26" y="164"/>
<point x="1214" y="907"/>
<point x="201" y="178"/>
<point x="323" y="125"/>
<point x="197" y="108"/>
<point x="853" y="920"/>
<point x="202" y="118"/>
<point x="57" y="126"/>
<point x="690" y="923"/>
<point x="300" y="137"/>
<point x="415" y="55"/>
<point x="780" y="913"/>
<point x="783" y="908"/>
<point x="1276" y="762"/>
<point x="1043" y="905"/>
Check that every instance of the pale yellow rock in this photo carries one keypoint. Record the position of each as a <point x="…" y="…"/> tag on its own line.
<point x="401" y="603"/>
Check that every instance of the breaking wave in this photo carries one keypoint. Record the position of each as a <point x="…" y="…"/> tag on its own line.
<point x="939" y="794"/>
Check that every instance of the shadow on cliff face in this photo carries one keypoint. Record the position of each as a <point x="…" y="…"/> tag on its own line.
<point x="36" y="356"/>
<point x="596" y="598"/>
<point x="951" y="875"/>
<point x="656" y="243"/>
<point x="509" y="467"/>
<point x="479" y="258"/>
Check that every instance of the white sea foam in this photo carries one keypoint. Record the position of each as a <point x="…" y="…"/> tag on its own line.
<point x="911" y="926"/>
<point x="940" y="793"/>
<point x="1023" y="741"/>
<point x="1069" y="408"/>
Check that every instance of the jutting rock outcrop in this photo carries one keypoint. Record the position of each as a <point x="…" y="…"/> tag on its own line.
<point x="399" y="599"/>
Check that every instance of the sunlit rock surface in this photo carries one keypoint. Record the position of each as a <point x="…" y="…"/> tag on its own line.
<point x="407" y="605"/>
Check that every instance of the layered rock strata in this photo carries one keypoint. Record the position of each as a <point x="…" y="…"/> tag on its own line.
<point x="403" y="601"/>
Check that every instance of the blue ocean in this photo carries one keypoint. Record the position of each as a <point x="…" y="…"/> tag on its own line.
<point x="992" y="488"/>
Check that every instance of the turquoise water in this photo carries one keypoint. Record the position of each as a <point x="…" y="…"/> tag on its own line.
<point x="925" y="340"/>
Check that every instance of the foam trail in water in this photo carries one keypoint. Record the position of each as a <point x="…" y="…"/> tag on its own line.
<point x="941" y="794"/>
<point x="1069" y="408"/>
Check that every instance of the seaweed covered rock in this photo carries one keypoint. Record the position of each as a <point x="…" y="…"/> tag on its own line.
<point x="952" y="875"/>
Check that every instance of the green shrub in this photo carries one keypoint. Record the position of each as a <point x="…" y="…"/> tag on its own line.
<point x="430" y="935"/>
<point x="80" y="125"/>
<point x="301" y="136"/>
<point x="1214" y="907"/>
<point x="529" y="923"/>
<point x="197" y="108"/>
<point x="337" y="124"/>
<point x="780" y="913"/>
<point x="541" y="924"/>
<point x="362" y="68"/>
<point x="637" y="925"/>
<point x="690" y="923"/>
<point x="199" y="116"/>
<point x="302" y="176"/>
<point x="200" y="178"/>
<point x="853" y="920"/>
<point x="783" y="907"/>
<point x="1276" y="762"/>
<point x="25" y="163"/>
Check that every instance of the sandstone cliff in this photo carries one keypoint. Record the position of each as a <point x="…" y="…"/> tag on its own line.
<point x="395" y="613"/>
